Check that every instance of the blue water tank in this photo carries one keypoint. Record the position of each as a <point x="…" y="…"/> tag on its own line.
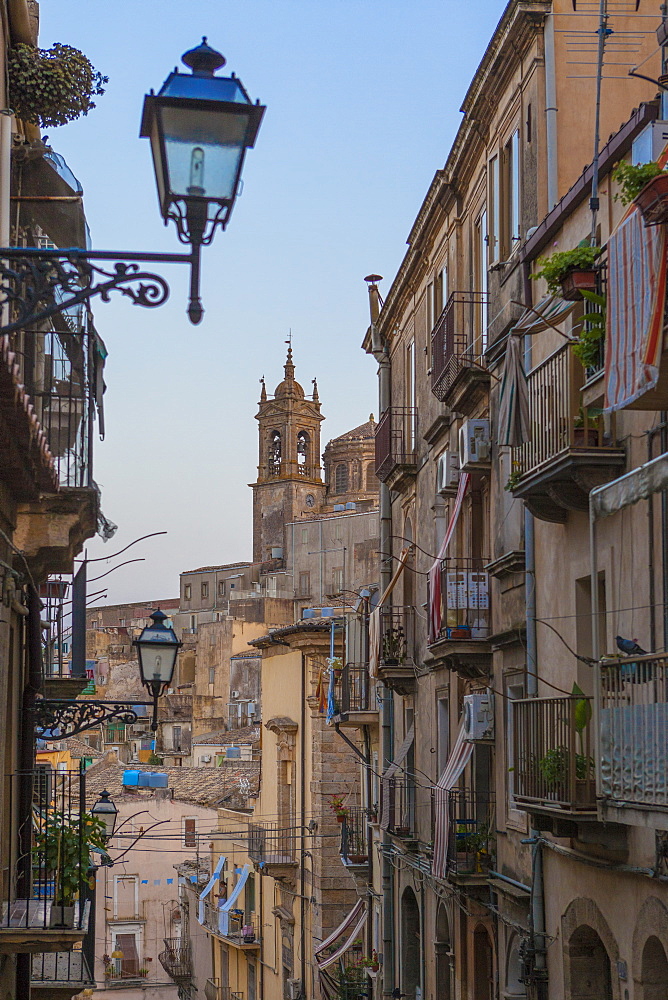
<point x="157" y="780"/>
<point x="131" y="777"/>
<point x="144" y="779"/>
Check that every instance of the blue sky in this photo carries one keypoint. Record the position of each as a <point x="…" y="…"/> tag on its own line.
<point x="363" y="102"/>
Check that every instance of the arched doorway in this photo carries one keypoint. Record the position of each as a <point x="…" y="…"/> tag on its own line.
<point x="514" y="985"/>
<point x="654" y="970"/>
<point x="411" y="947"/>
<point x="483" y="962"/>
<point x="443" y="956"/>
<point x="591" y="976"/>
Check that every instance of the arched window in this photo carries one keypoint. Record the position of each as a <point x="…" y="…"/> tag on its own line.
<point x="591" y="975"/>
<point x="410" y="943"/>
<point x="303" y="454"/>
<point x="514" y="971"/>
<point x="341" y="478"/>
<point x="654" y="970"/>
<point x="483" y="962"/>
<point x="443" y="955"/>
<point x="371" y="480"/>
<point x="275" y="453"/>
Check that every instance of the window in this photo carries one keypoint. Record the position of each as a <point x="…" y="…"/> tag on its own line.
<point x="440" y="292"/>
<point x="221" y="588"/>
<point x="514" y="684"/>
<point x="176" y="737"/>
<point x="443" y="731"/>
<point x="337" y="580"/>
<point x="121" y="622"/>
<point x="193" y="622"/>
<point x="304" y="584"/>
<point x="212" y="675"/>
<point x="410" y="391"/>
<point x="205" y="590"/>
<point x="187" y="592"/>
<point x="125" y="897"/>
<point x="303" y="463"/>
<point x="128" y="965"/>
<point x="512" y="192"/>
<point x="338" y="530"/>
<point x="371" y="481"/>
<point x="341" y="478"/>
<point x="275" y="453"/>
<point x="189" y="831"/>
<point x="431" y="319"/>
<point x="480" y="258"/>
<point x="494" y="215"/>
<point x="93" y="624"/>
<point x="304" y="536"/>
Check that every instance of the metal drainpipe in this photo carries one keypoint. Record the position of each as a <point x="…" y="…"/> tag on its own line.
<point x="302" y="823"/>
<point x="551" y="115"/>
<point x="664" y="532"/>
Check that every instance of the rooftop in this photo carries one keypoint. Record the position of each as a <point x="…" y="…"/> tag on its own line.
<point x="366" y="430"/>
<point x="204" y="786"/>
<point x="231" y="737"/>
<point x="210" y="569"/>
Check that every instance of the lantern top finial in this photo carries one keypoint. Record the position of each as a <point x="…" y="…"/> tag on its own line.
<point x="159" y="618"/>
<point x="203" y="60"/>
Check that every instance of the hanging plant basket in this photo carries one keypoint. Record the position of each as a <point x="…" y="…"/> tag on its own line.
<point x="50" y="87"/>
<point x="575" y="282"/>
<point x="653" y="200"/>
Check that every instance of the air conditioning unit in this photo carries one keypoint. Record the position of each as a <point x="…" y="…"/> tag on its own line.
<point x="294" y="989"/>
<point x="447" y="473"/>
<point x="479" y="717"/>
<point x="206" y="759"/>
<point x="474" y="446"/>
<point x="250" y="708"/>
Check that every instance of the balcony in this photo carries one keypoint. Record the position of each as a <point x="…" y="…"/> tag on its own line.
<point x="471" y="835"/>
<point x="554" y="770"/>
<point x="61" y="680"/>
<point x="214" y="991"/>
<point x="397" y="642"/>
<point x="401" y="794"/>
<point x="459" y="376"/>
<point x="355" y="839"/>
<point x="176" y="960"/>
<point x="241" y="933"/>
<point x="396" y="447"/>
<point x="59" y="974"/>
<point x="633" y="747"/>
<point x="356" y="697"/>
<point x="568" y="454"/>
<point x="271" y="848"/>
<point x="466" y="618"/>
<point x="44" y="906"/>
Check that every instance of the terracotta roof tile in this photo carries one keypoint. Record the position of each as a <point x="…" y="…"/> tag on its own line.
<point x="205" y="786"/>
<point x="247" y="734"/>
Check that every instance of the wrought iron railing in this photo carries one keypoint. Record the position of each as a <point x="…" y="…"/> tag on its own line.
<point x="553" y="753"/>
<point x="401" y="801"/>
<point x="60" y="968"/>
<point x="557" y="419"/>
<point x="214" y="991"/>
<point x="355" y="836"/>
<point x="396" y="440"/>
<point x="458" y="340"/>
<point x="465" y="599"/>
<point x="397" y="635"/>
<point x="46" y="857"/>
<point x="471" y="835"/>
<point x="356" y="689"/>
<point x="56" y="597"/>
<point x="269" y="843"/>
<point x="633" y="731"/>
<point x="176" y="959"/>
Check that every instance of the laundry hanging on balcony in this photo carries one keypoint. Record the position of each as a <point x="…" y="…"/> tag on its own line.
<point x="208" y="887"/>
<point x="435" y="603"/>
<point x="224" y="911"/>
<point x="635" y="310"/>
<point x="374" y="617"/>
<point x="457" y="761"/>
<point x="349" y="929"/>
<point x="392" y="769"/>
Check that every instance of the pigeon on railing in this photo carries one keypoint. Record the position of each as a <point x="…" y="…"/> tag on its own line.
<point x="629" y="646"/>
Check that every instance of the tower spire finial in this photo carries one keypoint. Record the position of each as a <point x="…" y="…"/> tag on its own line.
<point x="289" y="367"/>
<point x="263" y="391"/>
<point x="316" y="397"/>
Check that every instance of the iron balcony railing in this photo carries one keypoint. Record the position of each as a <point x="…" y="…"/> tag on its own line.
<point x="356" y="689"/>
<point x="465" y="599"/>
<point x="271" y="844"/>
<point x="633" y="731"/>
<point x="458" y="340"/>
<point x="176" y="960"/>
<point x="355" y="836"/>
<point x="553" y="762"/>
<point x="61" y="968"/>
<point x="557" y="419"/>
<point x="59" y="369"/>
<point x="397" y="635"/>
<point x="470" y="832"/>
<point x="46" y="856"/>
<point x="396" y="441"/>
<point x="401" y="814"/>
<point x="214" y="991"/>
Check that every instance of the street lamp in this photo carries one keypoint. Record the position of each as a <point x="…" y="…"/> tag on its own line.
<point x="157" y="647"/>
<point x="105" y="810"/>
<point x="200" y="126"/>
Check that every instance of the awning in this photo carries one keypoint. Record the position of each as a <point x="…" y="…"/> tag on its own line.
<point x="355" y="920"/>
<point x="224" y="911"/>
<point x="545" y="315"/>
<point x="435" y="605"/>
<point x="629" y="489"/>
<point x="208" y="887"/>
<point x="392" y="769"/>
<point x="457" y="761"/>
<point x="514" y="427"/>
<point x="374" y="617"/>
<point x="50" y="198"/>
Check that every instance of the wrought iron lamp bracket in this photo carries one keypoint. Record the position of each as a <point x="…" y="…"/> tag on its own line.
<point x="69" y="718"/>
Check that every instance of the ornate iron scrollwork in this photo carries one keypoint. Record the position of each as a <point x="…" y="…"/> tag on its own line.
<point x="68" y="718"/>
<point x="39" y="284"/>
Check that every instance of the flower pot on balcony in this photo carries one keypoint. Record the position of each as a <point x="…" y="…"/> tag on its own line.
<point x="390" y="661"/>
<point x="248" y="934"/>
<point x="357" y="859"/>
<point x="585" y="438"/>
<point x="459" y="633"/>
<point x="61" y="916"/>
<point x="653" y="200"/>
<point x="575" y="282"/>
<point x="585" y="791"/>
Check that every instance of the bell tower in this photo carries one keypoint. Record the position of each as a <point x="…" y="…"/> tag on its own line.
<point x="288" y="474"/>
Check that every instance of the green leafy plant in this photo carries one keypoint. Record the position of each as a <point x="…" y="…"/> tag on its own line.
<point x="394" y="644"/>
<point x="50" y="87"/>
<point x="591" y="413"/>
<point x="632" y="179"/>
<point x="63" y="846"/>
<point x="514" y="478"/>
<point x="154" y="759"/>
<point x="555" y="268"/>
<point x="337" y="806"/>
<point x="587" y="348"/>
<point x="554" y="765"/>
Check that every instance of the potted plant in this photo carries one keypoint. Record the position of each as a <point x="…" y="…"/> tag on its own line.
<point x="587" y="348"/>
<point x="584" y="434"/>
<point x="338" y="808"/>
<point x="143" y="972"/>
<point x="335" y="664"/>
<point x="248" y="933"/>
<point x="645" y="184"/>
<point x="569" y="272"/>
<point x="62" y="847"/>
<point x="459" y="632"/>
<point x="394" y="645"/>
<point x="50" y="87"/>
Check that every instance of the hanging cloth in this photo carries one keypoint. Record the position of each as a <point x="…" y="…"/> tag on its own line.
<point x="355" y="919"/>
<point x="514" y="427"/>
<point x="224" y="911"/>
<point x="457" y="761"/>
<point x="374" y="617"/>
<point x="208" y="887"/>
<point x="392" y="769"/>
<point x="435" y="604"/>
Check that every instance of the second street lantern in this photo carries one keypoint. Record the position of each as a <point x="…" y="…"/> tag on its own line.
<point x="157" y="647"/>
